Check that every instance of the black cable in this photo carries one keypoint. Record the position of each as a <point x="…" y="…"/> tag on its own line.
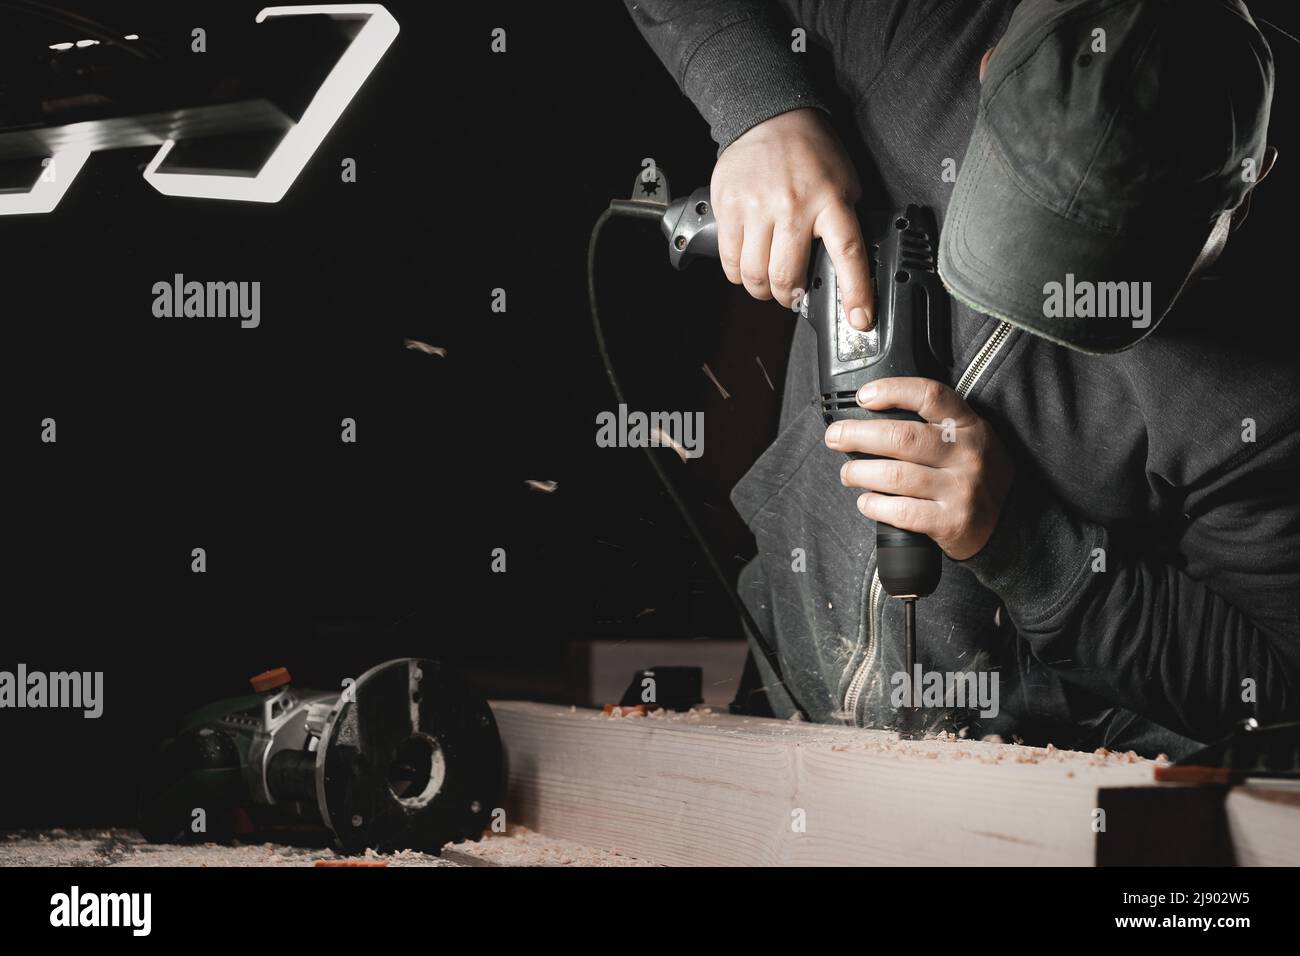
<point x="648" y="211"/>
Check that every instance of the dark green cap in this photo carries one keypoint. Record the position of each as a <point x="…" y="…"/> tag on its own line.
<point x="1112" y="137"/>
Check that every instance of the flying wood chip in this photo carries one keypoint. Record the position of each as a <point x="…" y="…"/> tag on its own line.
<point x="417" y="346"/>
<point x="714" y="379"/>
<point x="667" y="441"/>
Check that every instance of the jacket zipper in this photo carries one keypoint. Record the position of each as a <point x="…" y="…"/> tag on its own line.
<point x="988" y="351"/>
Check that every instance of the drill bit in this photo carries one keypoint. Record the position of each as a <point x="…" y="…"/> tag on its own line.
<point x="910" y="712"/>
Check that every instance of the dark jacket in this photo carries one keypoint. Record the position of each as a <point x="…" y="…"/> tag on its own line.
<point x="1175" y="462"/>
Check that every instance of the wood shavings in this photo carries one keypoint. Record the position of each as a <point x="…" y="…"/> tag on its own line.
<point x="349" y="862"/>
<point x="714" y="379"/>
<point x="667" y="441"/>
<point x="416" y="345"/>
<point x="546" y="486"/>
<point x="518" y="846"/>
<point x="615" y="710"/>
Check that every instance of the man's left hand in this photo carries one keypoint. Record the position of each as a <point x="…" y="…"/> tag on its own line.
<point x="946" y="477"/>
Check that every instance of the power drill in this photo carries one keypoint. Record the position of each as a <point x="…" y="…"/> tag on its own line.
<point x="404" y="757"/>
<point x="911" y="337"/>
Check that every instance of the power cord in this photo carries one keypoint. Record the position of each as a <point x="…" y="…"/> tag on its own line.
<point x="640" y="210"/>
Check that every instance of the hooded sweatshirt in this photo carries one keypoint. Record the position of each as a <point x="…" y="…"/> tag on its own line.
<point x="1142" y="586"/>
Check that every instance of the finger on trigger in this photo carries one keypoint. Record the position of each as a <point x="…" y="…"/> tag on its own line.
<point x="840" y="233"/>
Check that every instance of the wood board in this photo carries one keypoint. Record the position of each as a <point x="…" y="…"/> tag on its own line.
<point x="715" y="789"/>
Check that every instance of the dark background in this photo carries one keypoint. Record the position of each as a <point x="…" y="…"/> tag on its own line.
<point x="475" y="171"/>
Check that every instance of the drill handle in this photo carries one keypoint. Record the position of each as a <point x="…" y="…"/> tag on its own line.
<point x="910" y="564"/>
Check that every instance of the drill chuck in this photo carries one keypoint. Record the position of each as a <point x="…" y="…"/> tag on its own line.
<point x="910" y="563"/>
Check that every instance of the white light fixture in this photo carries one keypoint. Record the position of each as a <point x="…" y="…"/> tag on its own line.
<point x="49" y="187"/>
<point x="131" y="36"/>
<point x="60" y="46"/>
<point x="301" y="141"/>
<point x="82" y="44"/>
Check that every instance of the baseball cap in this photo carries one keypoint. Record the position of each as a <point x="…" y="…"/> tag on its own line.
<point x="1112" y="137"/>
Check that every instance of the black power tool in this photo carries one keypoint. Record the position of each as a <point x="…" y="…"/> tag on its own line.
<point x="910" y="338"/>
<point x="405" y="757"/>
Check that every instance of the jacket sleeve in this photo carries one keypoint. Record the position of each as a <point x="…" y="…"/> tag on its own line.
<point x="732" y="59"/>
<point x="1195" y="643"/>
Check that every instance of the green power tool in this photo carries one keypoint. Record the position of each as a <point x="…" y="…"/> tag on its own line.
<point x="405" y="757"/>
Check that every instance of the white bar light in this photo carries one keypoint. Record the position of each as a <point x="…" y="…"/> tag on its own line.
<point x="49" y="187"/>
<point x="301" y="141"/>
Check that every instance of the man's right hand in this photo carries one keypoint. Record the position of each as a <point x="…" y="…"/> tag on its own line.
<point x="777" y="187"/>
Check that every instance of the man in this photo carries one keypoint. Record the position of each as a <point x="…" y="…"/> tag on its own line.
<point x="1116" y="494"/>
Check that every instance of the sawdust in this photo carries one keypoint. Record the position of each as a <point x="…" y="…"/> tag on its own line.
<point x="951" y="746"/>
<point x="523" y="847"/>
<point x="936" y="745"/>
<point x="519" y="846"/>
<point x="617" y="712"/>
<point x="651" y="711"/>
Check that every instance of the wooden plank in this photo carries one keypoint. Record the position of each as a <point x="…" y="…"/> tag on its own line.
<point x="721" y="790"/>
<point x="1264" y="823"/>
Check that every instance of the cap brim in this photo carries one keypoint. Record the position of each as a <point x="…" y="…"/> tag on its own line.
<point x="1001" y="250"/>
